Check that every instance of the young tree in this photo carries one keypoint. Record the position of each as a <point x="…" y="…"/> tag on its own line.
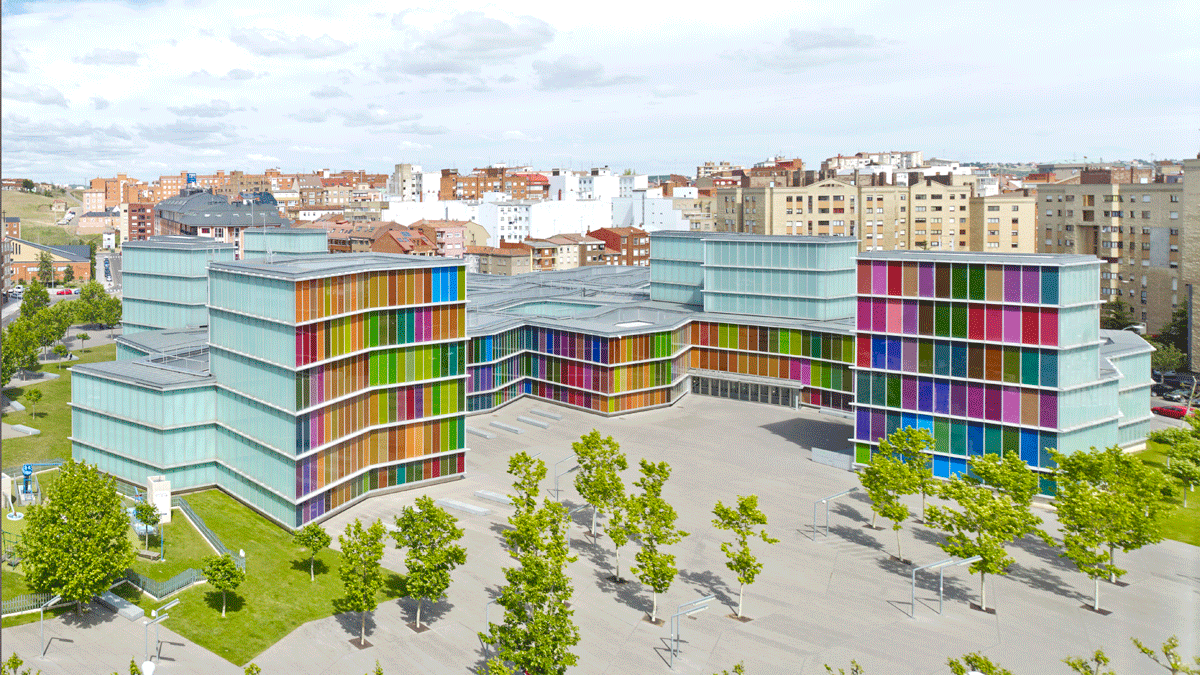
<point x="599" y="479"/>
<point x="1166" y="357"/>
<point x="35" y="300"/>
<point x="622" y="526"/>
<point x="1116" y="314"/>
<point x="76" y="542"/>
<point x="361" y="574"/>
<point x="110" y="313"/>
<point x="915" y="447"/>
<point x="32" y="397"/>
<point x="1140" y="499"/>
<point x="146" y="514"/>
<point x="61" y="352"/>
<point x="69" y="274"/>
<point x="222" y="574"/>
<point x="1184" y="465"/>
<point x="92" y="259"/>
<point x="1089" y="666"/>
<point x="429" y="534"/>
<point x="83" y="338"/>
<point x="656" y="523"/>
<point x="45" y="270"/>
<point x="741" y="522"/>
<point x="18" y="349"/>
<point x="1176" y="331"/>
<point x="1172" y="661"/>
<point x="314" y="538"/>
<point x="537" y="632"/>
<point x="885" y="479"/>
<point x="527" y="473"/>
<point x="975" y="663"/>
<point x="993" y="510"/>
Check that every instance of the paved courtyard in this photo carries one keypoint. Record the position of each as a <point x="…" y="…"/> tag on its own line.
<point x="831" y="600"/>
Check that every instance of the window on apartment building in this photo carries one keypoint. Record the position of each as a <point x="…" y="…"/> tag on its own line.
<point x="919" y="196"/>
<point x="1089" y="200"/>
<point x="918" y="231"/>
<point x="918" y="221"/>
<point x="1174" y="215"/>
<point x="993" y="220"/>
<point x="993" y="244"/>
<point x="1089" y="216"/>
<point x="1174" y="231"/>
<point x="1070" y="213"/>
<point x="1050" y="212"/>
<point x="1175" y="198"/>
<point x="993" y="233"/>
<point x="919" y="209"/>
<point x="993" y="208"/>
<point x="1014" y="233"/>
<point x="935" y="196"/>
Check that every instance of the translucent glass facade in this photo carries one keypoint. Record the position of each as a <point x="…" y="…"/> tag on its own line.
<point x="988" y="357"/>
<point x="323" y="380"/>
<point x="257" y="242"/>
<point x="164" y="281"/>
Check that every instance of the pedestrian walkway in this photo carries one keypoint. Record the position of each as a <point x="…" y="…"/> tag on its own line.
<point x="102" y="642"/>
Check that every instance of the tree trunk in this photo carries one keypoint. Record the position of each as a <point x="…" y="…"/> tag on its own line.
<point x="362" y="628"/>
<point x="594" y="523"/>
<point x="982" y="591"/>
<point x="654" y="611"/>
<point x="873" y="515"/>
<point x="222" y="604"/>
<point x="418" y="613"/>
<point x="1112" y="576"/>
<point x="899" y="556"/>
<point x="1096" y="599"/>
<point x="79" y="607"/>
<point x="922" y="505"/>
<point x="741" y="596"/>
<point x="312" y="575"/>
<point x="617" y="576"/>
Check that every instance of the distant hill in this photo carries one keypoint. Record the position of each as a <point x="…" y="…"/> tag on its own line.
<point x="30" y="208"/>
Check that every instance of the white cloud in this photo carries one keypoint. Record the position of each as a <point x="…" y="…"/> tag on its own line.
<point x="11" y="60"/>
<point x="520" y="136"/>
<point x="261" y="158"/>
<point x="214" y="108"/>
<point x="572" y="72"/>
<point x="466" y="42"/>
<point x="328" y="91"/>
<point x="41" y="94"/>
<point x="671" y="91"/>
<point x="99" y="102"/>
<point x="102" y="56"/>
<point x="269" y="42"/>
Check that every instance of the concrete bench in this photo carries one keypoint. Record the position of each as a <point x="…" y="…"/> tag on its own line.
<point x="546" y="413"/>
<point x="149" y="555"/>
<point x="121" y="606"/>
<point x="480" y="433"/>
<point x="494" y="497"/>
<point x="532" y="422"/>
<point x="502" y="425"/>
<point x="460" y="506"/>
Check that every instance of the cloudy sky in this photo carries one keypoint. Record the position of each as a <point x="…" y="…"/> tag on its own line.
<point x="150" y="88"/>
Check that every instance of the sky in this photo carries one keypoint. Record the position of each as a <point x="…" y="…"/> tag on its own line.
<point x="149" y="88"/>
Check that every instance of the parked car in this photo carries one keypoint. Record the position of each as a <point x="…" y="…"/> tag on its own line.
<point x="1161" y="390"/>
<point x="1176" y="396"/>
<point x="1173" y="411"/>
<point x="64" y="291"/>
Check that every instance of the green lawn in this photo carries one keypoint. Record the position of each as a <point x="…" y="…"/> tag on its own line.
<point x="53" y="414"/>
<point x="1184" y="524"/>
<point x="30" y="208"/>
<point x="277" y="595"/>
<point x="183" y="548"/>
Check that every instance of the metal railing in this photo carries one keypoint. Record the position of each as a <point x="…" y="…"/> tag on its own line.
<point x="27" y="602"/>
<point x="161" y="589"/>
<point x="207" y="533"/>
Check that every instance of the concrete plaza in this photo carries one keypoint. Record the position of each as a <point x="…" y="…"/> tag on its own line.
<point x="830" y="600"/>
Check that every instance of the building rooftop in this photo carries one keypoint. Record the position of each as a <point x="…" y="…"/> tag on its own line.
<point x="327" y="264"/>
<point x="1058" y="259"/>
<point x="72" y="252"/>
<point x="177" y="242"/>
<point x="166" y="341"/>
<point x="156" y="371"/>
<point x="768" y="238"/>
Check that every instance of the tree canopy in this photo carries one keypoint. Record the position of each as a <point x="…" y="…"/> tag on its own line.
<point x="429" y="534"/>
<point x="656" y="525"/>
<point x="314" y="539"/>
<point x="1116" y="314"/>
<point x="742" y="521"/>
<point x="76" y="543"/>
<point x="223" y="574"/>
<point x="360" y="572"/>
<point x="36" y="299"/>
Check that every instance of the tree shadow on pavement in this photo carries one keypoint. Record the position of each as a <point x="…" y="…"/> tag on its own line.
<point x="1044" y="580"/>
<point x="631" y="594"/>
<point x="856" y="535"/>
<point x="349" y="619"/>
<point x="94" y="614"/>
<point x="710" y="584"/>
<point x="430" y="611"/>
<point x="847" y="511"/>
<point x="1036" y="547"/>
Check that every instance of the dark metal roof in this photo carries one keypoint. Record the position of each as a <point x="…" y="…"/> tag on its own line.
<point x="207" y="209"/>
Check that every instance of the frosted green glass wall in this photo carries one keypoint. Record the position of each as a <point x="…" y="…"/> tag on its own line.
<point x="272" y="469"/>
<point x="1078" y="284"/>
<point x="160" y="447"/>
<point x="255" y="296"/>
<point x="676" y="274"/>
<point x="257" y="496"/>
<point x="254" y="378"/>
<point x="266" y="340"/>
<point x="255" y="243"/>
<point x="126" y="353"/>
<point x="1085" y="404"/>
<point x="163" y="409"/>
<point x="172" y="262"/>
<point x="132" y="471"/>
<point x="271" y="427"/>
<point x="785" y="279"/>
<point x="1077" y="326"/>
<point x="147" y="313"/>
<point x="1076" y="366"/>
<point x="177" y="289"/>
<point x="1102" y="435"/>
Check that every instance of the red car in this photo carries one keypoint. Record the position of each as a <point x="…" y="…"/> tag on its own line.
<point x="1175" y="411"/>
<point x="65" y="291"/>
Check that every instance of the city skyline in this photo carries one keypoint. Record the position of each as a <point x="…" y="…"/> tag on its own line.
<point x="221" y="85"/>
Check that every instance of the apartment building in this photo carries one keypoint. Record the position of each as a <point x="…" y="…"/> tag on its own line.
<point x="1005" y="223"/>
<point x="930" y="213"/>
<point x="633" y="243"/>
<point x="1137" y="228"/>
<point x="481" y="181"/>
<point x="93" y="201"/>
<point x="197" y="212"/>
<point x="709" y="169"/>
<point x="24" y="257"/>
<point x="1189" y="177"/>
<point x="95" y="222"/>
<point x="500" y="261"/>
<point x="447" y="236"/>
<point x="901" y="159"/>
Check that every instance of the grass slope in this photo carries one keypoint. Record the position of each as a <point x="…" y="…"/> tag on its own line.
<point x="32" y="209"/>
<point x="53" y="414"/>
<point x="277" y="595"/>
<point x="183" y="548"/>
<point x="1184" y="524"/>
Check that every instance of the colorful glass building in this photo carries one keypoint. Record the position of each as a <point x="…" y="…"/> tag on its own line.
<point x="320" y="379"/>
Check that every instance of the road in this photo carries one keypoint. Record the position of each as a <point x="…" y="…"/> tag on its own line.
<point x="13" y="306"/>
